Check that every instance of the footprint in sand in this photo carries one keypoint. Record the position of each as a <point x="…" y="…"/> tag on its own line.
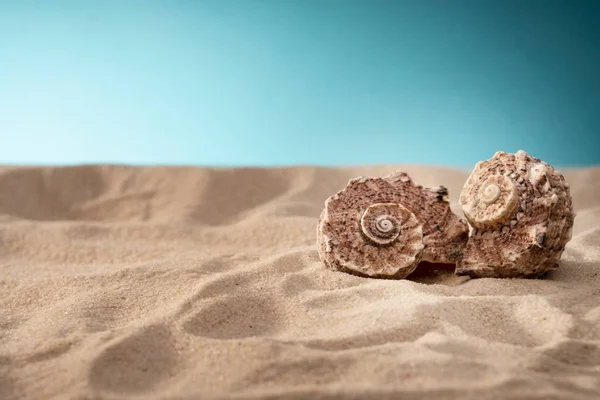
<point x="297" y="284"/>
<point x="136" y="363"/>
<point x="236" y="316"/>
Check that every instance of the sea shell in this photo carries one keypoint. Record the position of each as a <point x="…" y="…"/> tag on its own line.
<point x="383" y="227"/>
<point x="521" y="217"/>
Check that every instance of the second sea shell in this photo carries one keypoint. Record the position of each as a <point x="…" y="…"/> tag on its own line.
<point x="521" y="216"/>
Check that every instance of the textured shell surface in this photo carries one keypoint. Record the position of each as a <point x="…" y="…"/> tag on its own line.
<point x="383" y="227"/>
<point x="520" y="213"/>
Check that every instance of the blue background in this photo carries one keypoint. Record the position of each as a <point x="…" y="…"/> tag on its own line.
<point x="282" y="82"/>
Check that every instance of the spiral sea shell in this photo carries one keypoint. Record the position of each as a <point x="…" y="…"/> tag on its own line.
<point x="521" y="217"/>
<point x="383" y="227"/>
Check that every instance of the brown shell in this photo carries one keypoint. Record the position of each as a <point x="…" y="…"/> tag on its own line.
<point x="383" y="227"/>
<point x="521" y="217"/>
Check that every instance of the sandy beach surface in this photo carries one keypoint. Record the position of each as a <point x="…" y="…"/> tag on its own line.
<point x="124" y="282"/>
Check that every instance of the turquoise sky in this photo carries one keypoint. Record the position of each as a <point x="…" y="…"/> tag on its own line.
<point x="284" y="82"/>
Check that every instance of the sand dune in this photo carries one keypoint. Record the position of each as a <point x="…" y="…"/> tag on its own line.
<point x="186" y="283"/>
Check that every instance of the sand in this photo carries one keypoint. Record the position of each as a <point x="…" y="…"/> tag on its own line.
<point x="123" y="282"/>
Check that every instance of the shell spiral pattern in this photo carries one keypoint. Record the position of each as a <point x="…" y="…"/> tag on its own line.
<point x="383" y="227"/>
<point x="521" y="217"/>
<point x="382" y="222"/>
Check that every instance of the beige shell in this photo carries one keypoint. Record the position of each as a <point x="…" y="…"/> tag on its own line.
<point x="521" y="217"/>
<point x="383" y="227"/>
